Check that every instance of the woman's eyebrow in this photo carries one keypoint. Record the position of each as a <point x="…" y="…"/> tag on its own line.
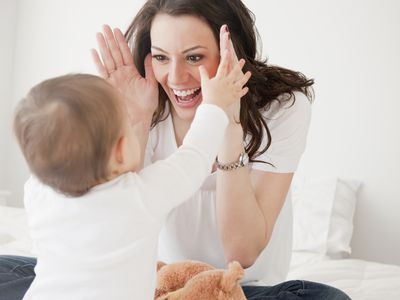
<point x="183" y="52"/>
<point x="159" y="49"/>
<point x="193" y="48"/>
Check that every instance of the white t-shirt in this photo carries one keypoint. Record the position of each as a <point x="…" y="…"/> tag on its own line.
<point x="191" y="229"/>
<point x="103" y="245"/>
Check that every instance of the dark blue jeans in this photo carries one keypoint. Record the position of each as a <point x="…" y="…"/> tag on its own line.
<point x="294" y="290"/>
<point x="16" y="275"/>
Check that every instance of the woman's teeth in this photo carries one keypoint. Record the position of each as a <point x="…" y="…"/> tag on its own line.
<point x="184" y="93"/>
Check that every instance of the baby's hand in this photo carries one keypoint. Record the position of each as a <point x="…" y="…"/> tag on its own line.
<point x="227" y="86"/>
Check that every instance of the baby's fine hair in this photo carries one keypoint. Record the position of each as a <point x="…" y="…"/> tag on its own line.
<point x="67" y="127"/>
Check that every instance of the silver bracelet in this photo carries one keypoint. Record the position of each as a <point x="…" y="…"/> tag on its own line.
<point x="242" y="161"/>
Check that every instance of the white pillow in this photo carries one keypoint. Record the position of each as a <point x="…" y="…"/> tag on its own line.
<point x="323" y="210"/>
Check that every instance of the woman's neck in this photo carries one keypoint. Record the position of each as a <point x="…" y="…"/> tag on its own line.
<point x="181" y="127"/>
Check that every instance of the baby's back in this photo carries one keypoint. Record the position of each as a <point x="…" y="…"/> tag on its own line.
<point x="101" y="245"/>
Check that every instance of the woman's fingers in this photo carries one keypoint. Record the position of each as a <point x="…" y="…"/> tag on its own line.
<point x="123" y="46"/>
<point x="234" y="58"/>
<point x="114" y="53"/>
<point x="223" y="67"/>
<point x="105" y="53"/>
<point x="225" y="42"/>
<point x="223" y="39"/>
<point x="98" y="63"/>
<point x="148" y="68"/>
<point x="113" y="46"/>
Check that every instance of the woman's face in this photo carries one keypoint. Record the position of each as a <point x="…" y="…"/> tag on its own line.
<point x="179" y="45"/>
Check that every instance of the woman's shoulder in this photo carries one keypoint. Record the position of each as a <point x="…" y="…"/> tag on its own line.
<point x="288" y="122"/>
<point x="288" y="106"/>
<point x="296" y="103"/>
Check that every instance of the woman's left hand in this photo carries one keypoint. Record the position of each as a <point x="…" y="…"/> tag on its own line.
<point x="225" y="42"/>
<point x="115" y="64"/>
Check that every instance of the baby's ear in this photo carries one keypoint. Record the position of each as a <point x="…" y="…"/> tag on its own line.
<point x="175" y="295"/>
<point x="231" y="277"/>
<point x="119" y="150"/>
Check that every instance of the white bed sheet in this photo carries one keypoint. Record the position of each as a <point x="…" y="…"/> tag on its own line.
<point x="14" y="234"/>
<point x="360" y="279"/>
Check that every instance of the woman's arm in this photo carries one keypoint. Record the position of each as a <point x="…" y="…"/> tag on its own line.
<point x="249" y="200"/>
<point x="116" y="65"/>
<point x="248" y="203"/>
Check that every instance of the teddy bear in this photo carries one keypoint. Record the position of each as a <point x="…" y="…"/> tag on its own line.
<point x="192" y="280"/>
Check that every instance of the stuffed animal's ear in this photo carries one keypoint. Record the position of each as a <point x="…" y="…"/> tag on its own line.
<point x="176" y="295"/>
<point x="231" y="277"/>
<point x="160" y="264"/>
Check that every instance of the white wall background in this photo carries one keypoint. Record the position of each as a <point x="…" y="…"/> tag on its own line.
<point x="51" y="38"/>
<point x="351" y="48"/>
<point x="8" y="13"/>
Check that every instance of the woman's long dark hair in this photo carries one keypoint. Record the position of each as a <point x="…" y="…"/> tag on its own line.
<point x="267" y="83"/>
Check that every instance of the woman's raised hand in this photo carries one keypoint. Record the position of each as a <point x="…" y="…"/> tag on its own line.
<point x="116" y="65"/>
<point x="225" y="44"/>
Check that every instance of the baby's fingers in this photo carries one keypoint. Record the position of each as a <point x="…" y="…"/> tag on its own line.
<point x="240" y="92"/>
<point x="203" y="74"/>
<point x="243" y="91"/>
<point x="243" y="80"/>
<point x="237" y="70"/>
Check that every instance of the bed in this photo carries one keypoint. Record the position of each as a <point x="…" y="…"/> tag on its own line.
<point x="360" y="279"/>
<point x="323" y="211"/>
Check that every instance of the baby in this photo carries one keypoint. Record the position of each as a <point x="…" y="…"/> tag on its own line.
<point x="94" y="213"/>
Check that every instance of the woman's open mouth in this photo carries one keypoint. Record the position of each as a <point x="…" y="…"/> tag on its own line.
<point x="187" y="98"/>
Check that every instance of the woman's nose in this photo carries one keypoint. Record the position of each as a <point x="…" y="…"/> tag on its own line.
<point x="177" y="74"/>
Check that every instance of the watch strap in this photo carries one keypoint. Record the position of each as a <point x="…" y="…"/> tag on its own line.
<point x="242" y="161"/>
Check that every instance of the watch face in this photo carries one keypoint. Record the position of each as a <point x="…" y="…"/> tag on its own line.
<point x="244" y="159"/>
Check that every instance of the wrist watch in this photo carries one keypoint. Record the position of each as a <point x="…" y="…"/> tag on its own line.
<point x="242" y="161"/>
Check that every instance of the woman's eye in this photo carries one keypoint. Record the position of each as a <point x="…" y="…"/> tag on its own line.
<point x="159" y="57"/>
<point x="194" y="58"/>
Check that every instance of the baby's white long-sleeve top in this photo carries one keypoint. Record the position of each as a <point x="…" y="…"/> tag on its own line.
<point x="103" y="245"/>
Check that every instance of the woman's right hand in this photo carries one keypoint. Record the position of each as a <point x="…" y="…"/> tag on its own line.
<point x="225" y="44"/>
<point x="116" y="65"/>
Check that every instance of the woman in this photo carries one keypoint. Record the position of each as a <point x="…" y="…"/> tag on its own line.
<point x="243" y="210"/>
